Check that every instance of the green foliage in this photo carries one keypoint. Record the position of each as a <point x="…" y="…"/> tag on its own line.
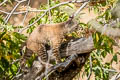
<point x="103" y="42"/>
<point x="115" y="58"/>
<point x="10" y="42"/>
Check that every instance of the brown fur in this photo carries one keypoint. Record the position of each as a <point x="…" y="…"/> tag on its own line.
<point x="48" y="33"/>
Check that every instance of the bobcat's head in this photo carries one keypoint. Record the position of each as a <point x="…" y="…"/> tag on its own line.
<point x="71" y="25"/>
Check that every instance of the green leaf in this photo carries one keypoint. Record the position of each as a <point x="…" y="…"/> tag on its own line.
<point x="115" y="58"/>
<point x="2" y="34"/>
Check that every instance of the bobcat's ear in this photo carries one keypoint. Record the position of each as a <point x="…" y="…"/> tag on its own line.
<point x="69" y="20"/>
<point x="71" y="17"/>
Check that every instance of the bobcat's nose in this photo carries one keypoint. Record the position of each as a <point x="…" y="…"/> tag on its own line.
<point x="76" y="28"/>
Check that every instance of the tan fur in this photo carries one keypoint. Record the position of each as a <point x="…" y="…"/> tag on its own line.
<point x="48" y="33"/>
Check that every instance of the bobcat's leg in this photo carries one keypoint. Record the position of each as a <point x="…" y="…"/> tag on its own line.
<point x="42" y="53"/>
<point x="25" y="57"/>
<point x="55" y="50"/>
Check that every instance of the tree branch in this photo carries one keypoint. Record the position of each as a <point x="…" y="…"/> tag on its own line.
<point x="78" y="50"/>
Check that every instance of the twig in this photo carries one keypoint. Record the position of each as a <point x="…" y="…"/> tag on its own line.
<point x="47" y="75"/>
<point x="50" y="17"/>
<point x="15" y="61"/>
<point x="21" y="12"/>
<point x="3" y="2"/>
<point x="4" y="12"/>
<point x="116" y="76"/>
<point x="8" y="17"/>
<point x="17" y="74"/>
<point x="90" y="58"/>
<point x="20" y="0"/>
<point x="63" y="3"/>
<point x="26" y="12"/>
<point x="110" y="70"/>
<point x="81" y="8"/>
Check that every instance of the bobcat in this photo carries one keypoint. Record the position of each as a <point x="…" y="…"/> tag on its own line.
<point x="48" y="33"/>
